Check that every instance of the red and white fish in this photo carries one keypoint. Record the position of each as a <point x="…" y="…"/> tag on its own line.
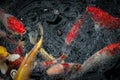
<point x="72" y="34"/>
<point x="103" y="59"/>
<point x="12" y="24"/>
<point x="63" y="68"/>
<point x="102" y="18"/>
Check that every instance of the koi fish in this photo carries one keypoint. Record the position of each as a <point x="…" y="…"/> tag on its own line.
<point x="3" y="56"/>
<point x="63" y="68"/>
<point x="12" y="24"/>
<point x="72" y="34"/>
<point x="28" y="61"/>
<point x="103" y="59"/>
<point x="102" y="18"/>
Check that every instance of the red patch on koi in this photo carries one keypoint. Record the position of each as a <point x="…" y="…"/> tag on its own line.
<point x="77" y="67"/>
<point x="16" y="25"/>
<point x="72" y="34"/>
<point x="63" y="56"/>
<point x="111" y="49"/>
<point x="48" y="63"/>
<point x="65" y="65"/>
<point x="103" y="18"/>
<point x="17" y="62"/>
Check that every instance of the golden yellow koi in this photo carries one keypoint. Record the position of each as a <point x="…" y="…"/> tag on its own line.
<point x="28" y="62"/>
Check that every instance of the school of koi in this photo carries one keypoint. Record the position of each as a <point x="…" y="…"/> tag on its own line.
<point x="20" y="65"/>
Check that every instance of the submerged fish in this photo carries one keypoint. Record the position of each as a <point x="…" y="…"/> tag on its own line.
<point x="72" y="34"/>
<point x="12" y="24"/>
<point x="26" y="66"/>
<point x="102" y="60"/>
<point x="102" y="18"/>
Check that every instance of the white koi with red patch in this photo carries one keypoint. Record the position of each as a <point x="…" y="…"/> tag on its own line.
<point x="103" y="60"/>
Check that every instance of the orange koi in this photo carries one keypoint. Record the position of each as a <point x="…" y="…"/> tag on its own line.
<point x="12" y="24"/>
<point x="72" y="34"/>
<point x="102" y="18"/>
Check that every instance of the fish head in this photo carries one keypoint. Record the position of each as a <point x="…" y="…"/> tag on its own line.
<point x="92" y="10"/>
<point x="95" y="13"/>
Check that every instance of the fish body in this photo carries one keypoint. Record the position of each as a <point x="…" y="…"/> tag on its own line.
<point x="12" y="24"/>
<point x="104" y="58"/>
<point x="72" y="34"/>
<point x="100" y="61"/>
<point x="102" y="18"/>
<point x="27" y="64"/>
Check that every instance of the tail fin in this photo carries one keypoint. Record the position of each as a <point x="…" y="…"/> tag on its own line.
<point x="41" y="29"/>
